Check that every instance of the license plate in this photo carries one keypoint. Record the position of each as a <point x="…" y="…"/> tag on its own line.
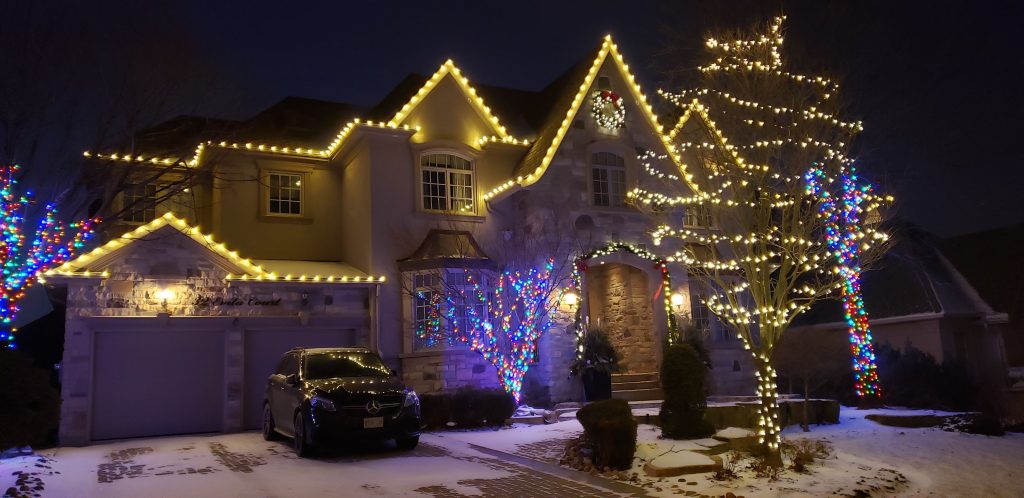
<point x="373" y="422"/>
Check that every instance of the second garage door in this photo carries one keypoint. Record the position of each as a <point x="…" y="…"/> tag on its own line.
<point x="263" y="349"/>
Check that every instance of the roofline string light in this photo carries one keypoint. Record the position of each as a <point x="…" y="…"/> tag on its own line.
<point x="251" y="272"/>
<point x="608" y="47"/>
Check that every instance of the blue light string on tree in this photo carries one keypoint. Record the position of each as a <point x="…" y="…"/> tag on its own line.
<point x="843" y="229"/>
<point x="52" y="244"/>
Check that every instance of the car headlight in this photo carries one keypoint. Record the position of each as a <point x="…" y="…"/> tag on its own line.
<point x="323" y="404"/>
<point x="411" y="399"/>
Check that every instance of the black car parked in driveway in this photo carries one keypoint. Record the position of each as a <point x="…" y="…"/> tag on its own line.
<point x="330" y="395"/>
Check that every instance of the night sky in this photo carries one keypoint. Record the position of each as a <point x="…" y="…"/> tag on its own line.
<point x="937" y="86"/>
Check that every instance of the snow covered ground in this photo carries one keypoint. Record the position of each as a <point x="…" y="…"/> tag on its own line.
<point x="873" y="459"/>
<point x="870" y="458"/>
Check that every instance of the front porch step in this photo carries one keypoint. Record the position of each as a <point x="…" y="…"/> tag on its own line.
<point x="642" y="384"/>
<point x="638" y="394"/>
<point x="634" y="377"/>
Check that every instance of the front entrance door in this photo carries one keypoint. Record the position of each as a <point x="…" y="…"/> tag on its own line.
<point x="619" y="302"/>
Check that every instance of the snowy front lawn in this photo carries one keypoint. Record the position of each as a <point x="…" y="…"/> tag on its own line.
<point x="867" y="458"/>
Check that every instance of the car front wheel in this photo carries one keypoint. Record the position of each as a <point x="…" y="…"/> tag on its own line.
<point x="269" y="434"/>
<point x="407" y="443"/>
<point x="302" y="448"/>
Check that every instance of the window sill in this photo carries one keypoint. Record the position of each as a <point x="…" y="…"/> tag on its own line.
<point x="450" y="215"/>
<point x="283" y="218"/>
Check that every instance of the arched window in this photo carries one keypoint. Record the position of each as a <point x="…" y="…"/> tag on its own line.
<point x="447" y="183"/>
<point x="608" y="174"/>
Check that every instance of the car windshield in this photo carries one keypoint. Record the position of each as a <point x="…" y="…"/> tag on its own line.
<point x="339" y="364"/>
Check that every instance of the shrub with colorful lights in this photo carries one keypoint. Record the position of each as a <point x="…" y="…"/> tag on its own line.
<point x="751" y="229"/>
<point x="26" y="253"/>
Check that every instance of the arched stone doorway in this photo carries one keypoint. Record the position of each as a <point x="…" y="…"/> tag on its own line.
<point x="619" y="299"/>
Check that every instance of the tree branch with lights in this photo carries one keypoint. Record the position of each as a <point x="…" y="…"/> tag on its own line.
<point x="759" y="234"/>
<point x="26" y="254"/>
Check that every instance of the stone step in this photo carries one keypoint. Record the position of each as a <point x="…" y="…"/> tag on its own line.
<point x="634" y="377"/>
<point x="640" y="384"/>
<point x="638" y="394"/>
<point x="645" y="403"/>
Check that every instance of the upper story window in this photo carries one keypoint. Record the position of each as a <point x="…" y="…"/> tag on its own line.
<point x="608" y="173"/>
<point x="139" y="202"/>
<point x="447" y="183"/>
<point x="697" y="216"/>
<point x="284" y="194"/>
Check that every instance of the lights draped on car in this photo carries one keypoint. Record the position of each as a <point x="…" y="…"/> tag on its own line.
<point x="321" y="403"/>
<point x="411" y="398"/>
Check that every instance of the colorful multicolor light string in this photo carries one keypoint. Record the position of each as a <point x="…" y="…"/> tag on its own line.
<point x="843" y="233"/>
<point x="52" y="244"/>
<point x="577" y="285"/>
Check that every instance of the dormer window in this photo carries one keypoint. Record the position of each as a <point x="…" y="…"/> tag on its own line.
<point x="608" y="174"/>
<point x="447" y="183"/>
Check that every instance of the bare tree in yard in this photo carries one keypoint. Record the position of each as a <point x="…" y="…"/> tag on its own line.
<point x="753" y="232"/>
<point x="498" y="308"/>
<point x="71" y="86"/>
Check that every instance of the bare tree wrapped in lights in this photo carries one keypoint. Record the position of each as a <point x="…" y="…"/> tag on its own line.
<point x="754" y="232"/>
<point x="49" y="244"/>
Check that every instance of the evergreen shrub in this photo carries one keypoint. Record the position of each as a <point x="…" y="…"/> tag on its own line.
<point x="610" y="429"/>
<point x="682" y="381"/>
<point x="29" y="405"/>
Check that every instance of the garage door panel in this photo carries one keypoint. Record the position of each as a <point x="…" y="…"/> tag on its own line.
<point x="151" y="383"/>
<point x="263" y="349"/>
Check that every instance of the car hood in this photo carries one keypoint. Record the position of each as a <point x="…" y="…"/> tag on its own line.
<point x="358" y="385"/>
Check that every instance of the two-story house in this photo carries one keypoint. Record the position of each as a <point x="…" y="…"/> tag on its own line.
<point x="322" y="224"/>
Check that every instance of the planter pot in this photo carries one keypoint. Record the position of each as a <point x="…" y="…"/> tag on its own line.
<point x="597" y="384"/>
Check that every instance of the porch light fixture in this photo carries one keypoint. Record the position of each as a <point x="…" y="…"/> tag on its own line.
<point x="677" y="300"/>
<point x="570" y="298"/>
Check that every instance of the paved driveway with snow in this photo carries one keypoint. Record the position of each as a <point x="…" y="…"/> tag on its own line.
<point x="245" y="465"/>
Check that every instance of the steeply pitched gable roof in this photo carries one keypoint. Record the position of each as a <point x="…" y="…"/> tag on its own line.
<point x="563" y="112"/>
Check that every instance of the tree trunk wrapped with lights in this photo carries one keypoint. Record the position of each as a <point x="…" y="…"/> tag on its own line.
<point x="51" y="243"/>
<point x="752" y="229"/>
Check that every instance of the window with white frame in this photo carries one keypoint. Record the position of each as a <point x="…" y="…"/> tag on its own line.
<point x="139" y="202"/>
<point x="697" y="216"/>
<point x="284" y="194"/>
<point x="608" y="174"/>
<point x="700" y="314"/>
<point x="447" y="183"/>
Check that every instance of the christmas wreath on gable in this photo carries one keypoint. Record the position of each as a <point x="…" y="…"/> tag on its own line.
<point x="607" y="109"/>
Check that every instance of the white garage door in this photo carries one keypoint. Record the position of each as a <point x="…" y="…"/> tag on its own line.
<point x="263" y="349"/>
<point x="157" y="382"/>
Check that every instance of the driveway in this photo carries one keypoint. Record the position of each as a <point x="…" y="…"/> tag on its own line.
<point x="244" y="464"/>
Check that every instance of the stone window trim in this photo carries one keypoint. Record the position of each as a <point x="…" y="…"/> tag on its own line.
<point x="452" y="188"/>
<point x="304" y="201"/>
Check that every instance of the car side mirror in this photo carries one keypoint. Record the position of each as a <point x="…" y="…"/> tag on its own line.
<point x="292" y="379"/>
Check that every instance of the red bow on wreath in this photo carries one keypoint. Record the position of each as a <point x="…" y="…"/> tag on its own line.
<point x="608" y="94"/>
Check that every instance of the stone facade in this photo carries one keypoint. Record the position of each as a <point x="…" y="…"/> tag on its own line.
<point x="431" y="371"/>
<point x="619" y="302"/>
